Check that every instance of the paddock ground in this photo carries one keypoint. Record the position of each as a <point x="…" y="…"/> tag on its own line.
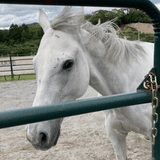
<point x="82" y="137"/>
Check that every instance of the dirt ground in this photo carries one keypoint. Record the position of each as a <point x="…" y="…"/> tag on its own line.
<point x="82" y="137"/>
<point x="142" y="27"/>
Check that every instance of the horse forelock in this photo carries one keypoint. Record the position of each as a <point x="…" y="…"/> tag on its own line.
<point x="68" y="18"/>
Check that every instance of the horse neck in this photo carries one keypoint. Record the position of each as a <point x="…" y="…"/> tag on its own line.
<point x="106" y="76"/>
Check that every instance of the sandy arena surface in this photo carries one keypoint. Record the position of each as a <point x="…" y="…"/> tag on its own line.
<point x="82" y="137"/>
<point x="142" y="27"/>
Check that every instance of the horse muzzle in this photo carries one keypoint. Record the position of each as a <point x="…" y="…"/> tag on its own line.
<point x="40" y="138"/>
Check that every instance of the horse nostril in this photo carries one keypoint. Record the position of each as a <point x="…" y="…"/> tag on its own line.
<point x="43" y="138"/>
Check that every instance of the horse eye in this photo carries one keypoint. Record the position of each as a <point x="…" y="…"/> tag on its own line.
<point x="68" y="64"/>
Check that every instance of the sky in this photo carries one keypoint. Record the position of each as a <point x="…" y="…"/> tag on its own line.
<point x="19" y="14"/>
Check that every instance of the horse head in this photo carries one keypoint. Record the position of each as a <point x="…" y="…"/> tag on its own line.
<point x="62" y="75"/>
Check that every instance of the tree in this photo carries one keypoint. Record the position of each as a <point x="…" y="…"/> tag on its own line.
<point x="14" y="34"/>
<point x="87" y="16"/>
<point x="2" y="36"/>
<point x="24" y="36"/>
<point x="100" y="14"/>
<point x="24" y="28"/>
<point x="135" y="15"/>
<point x="124" y="16"/>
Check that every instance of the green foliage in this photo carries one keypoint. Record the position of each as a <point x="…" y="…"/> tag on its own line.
<point x="4" y="49"/>
<point x="25" y="39"/>
<point x="26" y="48"/>
<point x="124" y="16"/>
<point x="136" y="15"/>
<point x="148" y="37"/>
<point x="35" y="32"/>
<point x="132" y="34"/>
<point x="101" y="14"/>
<point x="14" y="34"/>
<point x="20" y="40"/>
<point x="4" y="36"/>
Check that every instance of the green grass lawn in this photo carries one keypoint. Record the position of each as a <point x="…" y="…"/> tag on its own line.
<point x="15" y="78"/>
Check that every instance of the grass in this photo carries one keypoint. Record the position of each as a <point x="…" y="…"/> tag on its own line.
<point x="17" y="77"/>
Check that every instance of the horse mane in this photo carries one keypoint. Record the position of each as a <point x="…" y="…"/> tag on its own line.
<point x="68" y="18"/>
<point x="118" y="50"/>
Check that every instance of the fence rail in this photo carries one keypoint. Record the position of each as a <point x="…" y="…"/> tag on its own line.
<point x="12" y="65"/>
<point x="146" y="6"/>
<point x="59" y="110"/>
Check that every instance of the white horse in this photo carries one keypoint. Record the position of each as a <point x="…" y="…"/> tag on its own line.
<point x="72" y="55"/>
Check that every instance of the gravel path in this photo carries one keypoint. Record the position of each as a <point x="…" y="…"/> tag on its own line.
<point x="82" y="137"/>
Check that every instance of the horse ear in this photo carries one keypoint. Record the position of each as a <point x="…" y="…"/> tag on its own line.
<point x="43" y="20"/>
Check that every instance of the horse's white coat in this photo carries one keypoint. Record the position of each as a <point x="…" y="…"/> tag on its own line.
<point x="102" y="60"/>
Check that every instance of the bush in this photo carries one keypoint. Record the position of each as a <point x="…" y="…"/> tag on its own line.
<point x="4" y="50"/>
<point x="124" y="16"/>
<point x="132" y="34"/>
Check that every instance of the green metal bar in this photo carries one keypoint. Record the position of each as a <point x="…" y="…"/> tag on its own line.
<point x="145" y="5"/>
<point x="156" y="147"/>
<point x="41" y="113"/>
<point x="11" y="65"/>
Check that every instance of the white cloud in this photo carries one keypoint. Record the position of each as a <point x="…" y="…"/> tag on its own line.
<point x="158" y="5"/>
<point x="92" y="9"/>
<point x="19" y="14"/>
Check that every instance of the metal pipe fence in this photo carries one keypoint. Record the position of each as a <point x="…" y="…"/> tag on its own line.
<point x="12" y="65"/>
<point x="41" y="113"/>
<point x="84" y="106"/>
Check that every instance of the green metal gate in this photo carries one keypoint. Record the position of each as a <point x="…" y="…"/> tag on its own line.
<point x="52" y="111"/>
